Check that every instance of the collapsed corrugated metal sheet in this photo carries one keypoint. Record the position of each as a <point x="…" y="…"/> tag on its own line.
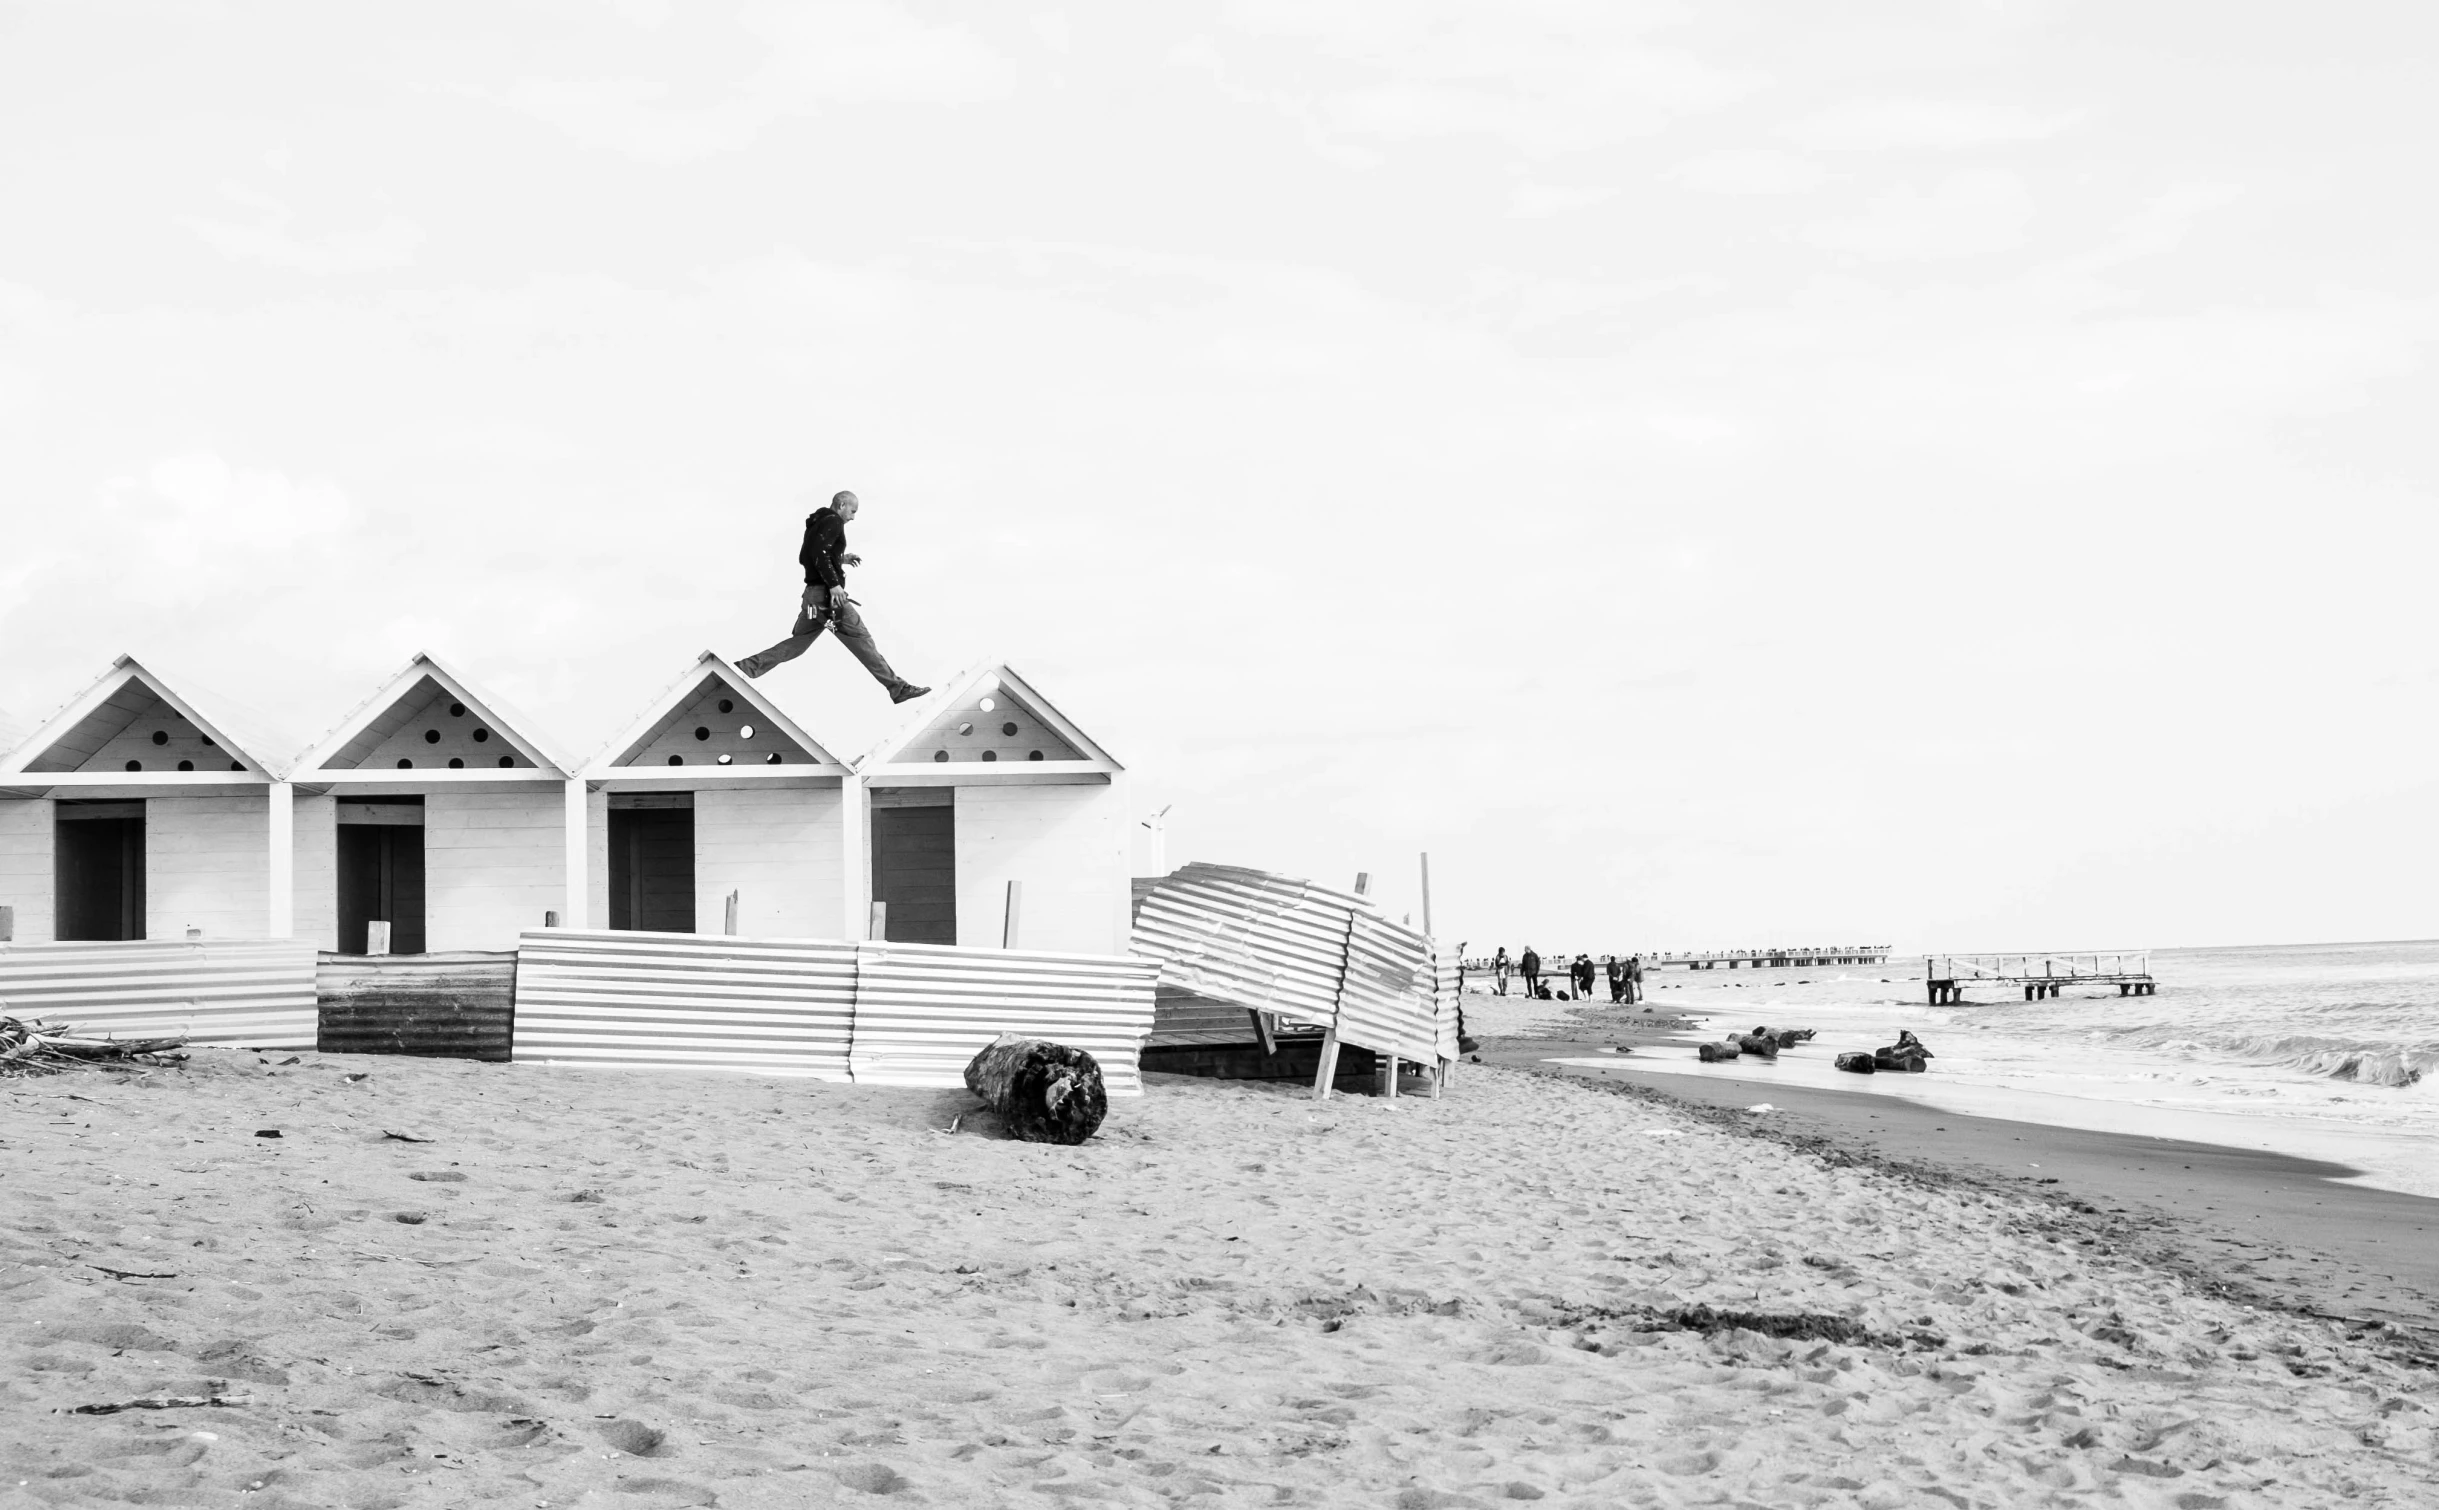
<point x="1448" y="998"/>
<point x="685" y="1001"/>
<point x="1303" y="951"/>
<point x="1264" y="941"/>
<point x="252" y="993"/>
<point x="923" y="1010"/>
<point x="1388" y="1003"/>
<point x="455" y="1005"/>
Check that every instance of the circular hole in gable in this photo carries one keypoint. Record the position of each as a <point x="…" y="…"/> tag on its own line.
<point x="1035" y="755"/>
<point x="481" y="735"/>
<point x="508" y="760"/>
<point x="990" y="754"/>
<point x="771" y="759"/>
<point x="405" y="765"/>
<point x="159" y="738"/>
<point x="186" y="765"/>
<point x="677" y="760"/>
<point x="965" y="728"/>
<point x="207" y="743"/>
<point x="237" y="765"/>
<point x="940" y="757"/>
<point x="988" y="705"/>
<point x="457" y="710"/>
<point x="1008" y="729"/>
<point x="728" y="705"/>
<point x="745" y="731"/>
<point x="431" y="736"/>
<point x="728" y="760"/>
<point x="701" y="733"/>
<point x="457" y="763"/>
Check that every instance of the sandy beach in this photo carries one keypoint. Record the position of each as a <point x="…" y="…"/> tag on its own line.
<point x="595" y="1288"/>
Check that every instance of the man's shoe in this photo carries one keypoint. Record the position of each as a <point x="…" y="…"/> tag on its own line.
<point x="907" y="692"/>
<point x="751" y="667"/>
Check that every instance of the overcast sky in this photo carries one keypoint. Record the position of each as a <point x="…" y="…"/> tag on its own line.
<point x="1951" y="474"/>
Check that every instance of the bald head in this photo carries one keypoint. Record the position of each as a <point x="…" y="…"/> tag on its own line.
<point x="846" y="503"/>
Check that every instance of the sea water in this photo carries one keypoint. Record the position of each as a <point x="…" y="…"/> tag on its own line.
<point x="2320" y="1050"/>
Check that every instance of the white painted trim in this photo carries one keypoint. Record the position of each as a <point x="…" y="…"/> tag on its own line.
<point x="236" y="780"/>
<point x="854" y="844"/>
<point x="311" y="765"/>
<point x="605" y="762"/>
<point x="127" y="669"/>
<point x="955" y="690"/>
<point x="572" y="910"/>
<point x="280" y="829"/>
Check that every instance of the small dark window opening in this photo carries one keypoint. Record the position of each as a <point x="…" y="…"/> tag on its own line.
<point x="990" y="754"/>
<point x="507" y="760"/>
<point x="1008" y="729"/>
<point x="940" y="756"/>
<point x="159" y="738"/>
<point x="186" y="765"/>
<point x="480" y="735"/>
<point x="728" y="705"/>
<point x="431" y="736"/>
<point x="207" y="743"/>
<point x="457" y="710"/>
<point x="405" y="764"/>
<point x="677" y="760"/>
<point x="135" y="765"/>
<point x="237" y="765"/>
<point x="772" y="758"/>
<point x="1035" y="755"/>
<point x="701" y="733"/>
<point x="456" y="764"/>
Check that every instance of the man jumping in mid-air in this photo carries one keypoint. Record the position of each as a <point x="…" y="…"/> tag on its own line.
<point x="825" y="558"/>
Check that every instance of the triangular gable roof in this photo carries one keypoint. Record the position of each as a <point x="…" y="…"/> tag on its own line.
<point x="132" y="718"/>
<point x="429" y="715"/>
<point x="13" y="731"/>
<point x="712" y="710"/>
<point x="951" y="726"/>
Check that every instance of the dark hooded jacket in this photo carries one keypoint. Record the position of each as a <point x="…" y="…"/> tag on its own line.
<point x="825" y="542"/>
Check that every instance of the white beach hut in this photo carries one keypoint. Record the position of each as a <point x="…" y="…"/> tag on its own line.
<point x="714" y="793"/>
<point x="431" y="808"/>
<point x="135" y="813"/>
<point x="990" y="819"/>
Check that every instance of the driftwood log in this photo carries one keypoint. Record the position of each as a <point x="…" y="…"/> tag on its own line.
<point x="1714" y="1053"/>
<point x="1044" y="1092"/>
<point x="1857" y="1062"/>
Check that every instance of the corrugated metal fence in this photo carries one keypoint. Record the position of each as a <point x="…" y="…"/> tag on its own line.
<point x="1304" y="951"/>
<point x="923" y="1010"/>
<point x="445" y="1006"/>
<point x="251" y="993"/>
<point x="685" y="1001"/>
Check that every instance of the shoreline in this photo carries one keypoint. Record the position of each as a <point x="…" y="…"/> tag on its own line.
<point x="2272" y="1229"/>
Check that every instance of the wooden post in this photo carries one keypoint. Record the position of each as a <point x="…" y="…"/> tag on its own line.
<point x="376" y="938"/>
<point x="1007" y="923"/>
<point x="728" y="922"/>
<point x="8" y="927"/>
<point x="854" y="838"/>
<point x="1329" y="1066"/>
<point x="1426" y="891"/>
<point x="280" y="921"/>
<point x="1363" y="883"/>
<point x="879" y="929"/>
<point x="1261" y="1028"/>
<point x="575" y="906"/>
<point x="1386" y="1078"/>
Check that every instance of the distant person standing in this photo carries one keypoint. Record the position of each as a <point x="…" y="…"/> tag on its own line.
<point x="1499" y="969"/>
<point x="1528" y="965"/>
<point x="1581" y="974"/>
<point x="825" y="558"/>
<point x="1617" y="980"/>
<point x="1634" y="980"/>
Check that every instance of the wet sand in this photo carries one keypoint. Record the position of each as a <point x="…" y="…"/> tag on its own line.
<point x="602" y="1288"/>
<point x="2285" y="1228"/>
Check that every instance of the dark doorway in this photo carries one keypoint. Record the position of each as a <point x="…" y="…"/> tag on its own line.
<point x="98" y="871"/>
<point x="381" y="872"/>
<point x="652" y="862"/>
<point x="914" y="870"/>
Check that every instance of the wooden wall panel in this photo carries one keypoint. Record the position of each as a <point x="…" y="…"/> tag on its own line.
<point x="494" y="863"/>
<point x="779" y="849"/>
<point x="317" y="874"/>
<point x="25" y="867"/>
<point x="1067" y="844"/>
<point x="207" y="865"/>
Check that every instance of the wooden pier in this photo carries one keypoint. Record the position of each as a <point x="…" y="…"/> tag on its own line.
<point x="1946" y="976"/>
<point x="1804" y="957"/>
